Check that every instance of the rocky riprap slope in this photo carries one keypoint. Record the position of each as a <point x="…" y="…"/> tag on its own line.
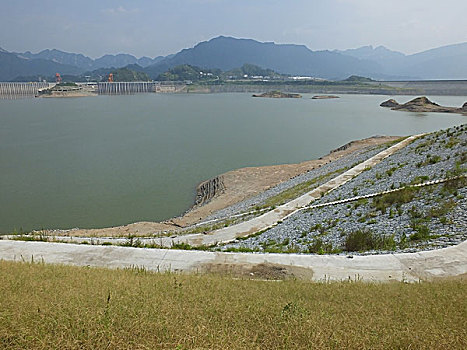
<point x="410" y="220"/>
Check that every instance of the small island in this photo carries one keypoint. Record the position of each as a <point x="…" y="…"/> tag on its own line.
<point x="323" y="97"/>
<point x="422" y="105"/>
<point x="278" y="94"/>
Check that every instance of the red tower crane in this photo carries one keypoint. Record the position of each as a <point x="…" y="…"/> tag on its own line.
<point x="58" y="78"/>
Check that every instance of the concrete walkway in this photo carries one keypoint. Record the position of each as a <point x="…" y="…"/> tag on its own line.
<point x="410" y="267"/>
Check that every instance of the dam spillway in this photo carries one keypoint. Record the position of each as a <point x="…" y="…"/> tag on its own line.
<point x="12" y="90"/>
<point x="17" y="89"/>
<point x="125" y="88"/>
<point x="136" y="87"/>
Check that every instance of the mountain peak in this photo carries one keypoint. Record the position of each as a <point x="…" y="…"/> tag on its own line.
<point x="227" y="38"/>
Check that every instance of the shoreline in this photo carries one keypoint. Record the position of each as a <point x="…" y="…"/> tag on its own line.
<point x="225" y="190"/>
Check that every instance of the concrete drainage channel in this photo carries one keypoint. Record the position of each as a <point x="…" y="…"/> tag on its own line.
<point x="428" y="265"/>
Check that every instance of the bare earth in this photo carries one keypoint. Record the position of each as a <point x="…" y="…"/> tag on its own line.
<point x="239" y="185"/>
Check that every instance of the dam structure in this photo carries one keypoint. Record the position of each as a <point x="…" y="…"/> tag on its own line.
<point x="136" y="87"/>
<point x="125" y="88"/>
<point x="17" y="89"/>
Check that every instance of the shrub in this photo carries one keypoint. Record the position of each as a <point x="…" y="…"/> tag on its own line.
<point x="319" y="247"/>
<point x="419" y="180"/>
<point x="398" y="198"/>
<point x="453" y="185"/>
<point x="361" y="240"/>
<point x="240" y="250"/>
<point x="132" y="241"/>
<point x="434" y="159"/>
<point x="391" y="171"/>
<point x="415" y="213"/>
<point x="182" y="246"/>
<point x="452" y="142"/>
<point x="444" y="208"/>
<point x="422" y="233"/>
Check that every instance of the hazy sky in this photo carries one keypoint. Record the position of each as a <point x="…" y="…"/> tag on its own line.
<point x="160" y="27"/>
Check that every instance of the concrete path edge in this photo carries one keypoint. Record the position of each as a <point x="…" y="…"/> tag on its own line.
<point x="409" y="267"/>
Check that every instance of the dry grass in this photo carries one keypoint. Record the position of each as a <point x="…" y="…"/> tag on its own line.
<point x="58" y="307"/>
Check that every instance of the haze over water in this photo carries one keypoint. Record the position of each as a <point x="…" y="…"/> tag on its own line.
<point x="112" y="160"/>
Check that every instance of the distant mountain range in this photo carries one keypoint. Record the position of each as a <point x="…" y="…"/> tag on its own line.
<point x="226" y="53"/>
<point x="12" y="66"/>
<point x="88" y="63"/>
<point x="446" y="62"/>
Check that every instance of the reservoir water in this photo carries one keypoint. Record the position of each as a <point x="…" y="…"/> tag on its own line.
<point x="112" y="160"/>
